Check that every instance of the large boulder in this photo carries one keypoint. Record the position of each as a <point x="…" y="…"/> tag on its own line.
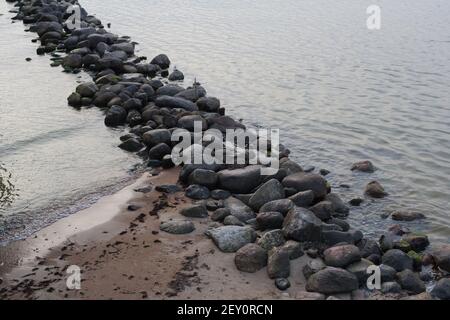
<point x="269" y="220"/>
<point x="332" y="280"/>
<point x="397" y="259"/>
<point x="303" y="199"/>
<point x="115" y="116"/>
<point x="332" y="237"/>
<point x="307" y="181"/>
<point x="239" y="209"/>
<point x="192" y="94"/>
<point x="359" y="269"/>
<point x="175" y="102"/>
<point x="240" y="180"/>
<point x="162" y="61"/>
<point x="341" y="256"/>
<point x="231" y="238"/>
<point x="363" y="166"/>
<point x="208" y="104"/>
<point x="410" y="281"/>
<point x="269" y="191"/>
<point x="131" y="145"/>
<point x="375" y="190"/>
<point x="207" y="178"/>
<point x="302" y="225"/>
<point x="250" y="258"/>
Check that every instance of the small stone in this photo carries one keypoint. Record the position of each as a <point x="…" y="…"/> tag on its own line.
<point x="220" y="194"/>
<point x="282" y="284"/>
<point x="313" y="266"/>
<point x="278" y="265"/>
<point x="375" y="190"/>
<point x="177" y="226"/>
<point x="269" y="220"/>
<point x="271" y="239"/>
<point x="133" y="207"/>
<point x="197" y="192"/>
<point x="363" y="166"/>
<point x="195" y="211"/>
<point x="220" y="214"/>
<point x="332" y="280"/>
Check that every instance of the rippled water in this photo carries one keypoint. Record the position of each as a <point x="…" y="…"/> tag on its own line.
<point x="339" y="93"/>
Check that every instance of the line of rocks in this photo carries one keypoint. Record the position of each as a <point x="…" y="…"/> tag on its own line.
<point x="267" y="221"/>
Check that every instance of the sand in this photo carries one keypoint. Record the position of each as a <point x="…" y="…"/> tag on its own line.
<point x="122" y="254"/>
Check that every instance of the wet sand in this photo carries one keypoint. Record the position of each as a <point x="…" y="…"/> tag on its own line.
<point x="123" y="255"/>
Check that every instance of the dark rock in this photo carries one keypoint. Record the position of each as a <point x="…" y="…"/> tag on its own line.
<point x="223" y="123"/>
<point x="213" y="205"/>
<point x="176" y="75"/>
<point x="369" y="247"/>
<point x="72" y="61"/>
<point x="290" y="167"/>
<point x="240" y="180"/>
<point x="159" y="151"/>
<point x="307" y="181"/>
<point x="269" y="220"/>
<point x="232" y="221"/>
<point x="195" y="211"/>
<point x="356" y="202"/>
<point x="131" y="145"/>
<point x="374" y="258"/>
<point x="303" y="199"/>
<point x="441" y="255"/>
<point x="333" y="237"/>
<point x="197" y="192"/>
<point x="133" y="207"/>
<point x="162" y="61"/>
<point x="175" y="102"/>
<point x="271" y="239"/>
<point x="398" y="230"/>
<point x="302" y="225"/>
<point x="375" y="190"/>
<point x="220" y="194"/>
<point x="220" y="214"/>
<point x="189" y="122"/>
<point x="404" y="215"/>
<point x="74" y="100"/>
<point x="339" y="222"/>
<point x="323" y="210"/>
<point x="359" y="269"/>
<point x="192" y="94"/>
<point x="278" y="265"/>
<point x="338" y="205"/>
<point x="342" y="255"/>
<point x="442" y="289"/>
<point x="269" y="191"/>
<point x="231" y="238"/>
<point x="282" y="206"/>
<point x="282" y="284"/>
<point x="153" y="137"/>
<point x="115" y="116"/>
<point x="313" y="266"/>
<point x="363" y="166"/>
<point x="410" y="281"/>
<point x="87" y="89"/>
<point x="294" y="249"/>
<point x="386" y="242"/>
<point x="417" y="242"/>
<point x="168" y="188"/>
<point x="397" y="259"/>
<point x="332" y="280"/>
<point x="169" y="90"/>
<point x="250" y="258"/>
<point x="387" y="273"/>
<point x="208" y="104"/>
<point x="124" y="46"/>
<point x="239" y="209"/>
<point x="177" y="226"/>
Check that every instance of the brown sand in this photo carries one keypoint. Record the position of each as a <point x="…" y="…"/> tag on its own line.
<point x="124" y="255"/>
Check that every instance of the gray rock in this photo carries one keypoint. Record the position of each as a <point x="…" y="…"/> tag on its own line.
<point x="441" y="255"/>
<point x="220" y="214"/>
<point x="342" y="255"/>
<point x="375" y="190"/>
<point x="131" y="145"/>
<point x="169" y="90"/>
<point x="240" y="180"/>
<point x="302" y="225"/>
<point x="168" y="188"/>
<point x="192" y="94"/>
<point x="153" y="137"/>
<point x="410" y="281"/>
<point x="197" y="192"/>
<point x="115" y="116"/>
<point x="397" y="259"/>
<point x="307" y="181"/>
<point x="303" y="199"/>
<point x="386" y="242"/>
<point x="207" y="178"/>
<point x="332" y="280"/>
<point x="333" y="237"/>
<point x="177" y="226"/>
<point x="87" y="89"/>
<point x="269" y="191"/>
<point x="313" y="266"/>
<point x="339" y="222"/>
<point x="223" y="123"/>
<point x="194" y="211"/>
<point x="442" y="289"/>
<point x="239" y="209"/>
<point x="338" y="205"/>
<point x="208" y="104"/>
<point x="175" y="102"/>
<point x="189" y="122"/>
<point x="269" y="220"/>
<point x="282" y="206"/>
<point x="159" y="151"/>
<point x="323" y="210"/>
<point x="363" y="166"/>
<point x="278" y="265"/>
<point x="162" y="61"/>
<point x="390" y="287"/>
<point x="232" y="221"/>
<point x="294" y="249"/>
<point x="282" y="284"/>
<point x="176" y="75"/>
<point x="290" y="167"/>
<point x="231" y="238"/>
<point x="124" y="46"/>
<point x="359" y="269"/>
<point x="417" y="242"/>
<point x="250" y="258"/>
<point x="405" y="215"/>
<point x="387" y="273"/>
<point x="220" y="194"/>
<point x="369" y="247"/>
<point x="271" y="239"/>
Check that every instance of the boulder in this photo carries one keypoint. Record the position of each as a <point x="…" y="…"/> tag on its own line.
<point x="417" y="242"/>
<point x="441" y="255"/>
<point x="442" y="289"/>
<point x="197" y="192"/>
<point x="363" y="166"/>
<point x="232" y="221"/>
<point x="290" y="167"/>
<point x="307" y="181"/>
<point x="177" y="226"/>
<point x="220" y="194"/>
<point x="131" y="145"/>
<point x="406" y="215"/>
<point x="302" y="225"/>
<point x="115" y="116"/>
<point x="250" y="258"/>
<point x="313" y="266"/>
<point x="375" y="190"/>
<point x="359" y="269"/>
<point x="192" y="94"/>
<point x="332" y="237"/>
<point x="271" y="239"/>
<point x="208" y="104"/>
<point x="194" y="211"/>
<point x="294" y="249"/>
<point x="176" y="75"/>
<point x="338" y="205"/>
<point x="369" y="247"/>
<point x="342" y="255"/>
<point x="231" y="238"/>
<point x="127" y="47"/>
<point x="410" y="281"/>
<point x="220" y="214"/>
<point x="159" y="151"/>
<point x="207" y="178"/>
<point x="282" y="206"/>
<point x="303" y="199"/>
<point x="344" y="225"/>
<point x="387" y="273"/>
<point x="162" y="61"/>
<point x="278" y="265"/>
<point x="269" y="220"/>
<point x="397" y="259"/>
<point x="73" y="61"/>
<point x="169" y="90"/>
<point x="332" y="280"/>
<point x="153" y="137"/>
<point x="269" y="191"/>
<point x="239" y="209"/>
<point x="323" y="210"/>
<point x="87" y="89"/>
<point x="175" y="102"/>
<point x="189" y="122"/>
<point x="240" y="180"/>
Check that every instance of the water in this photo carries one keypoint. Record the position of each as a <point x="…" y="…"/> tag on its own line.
<point x="339" y="92"/>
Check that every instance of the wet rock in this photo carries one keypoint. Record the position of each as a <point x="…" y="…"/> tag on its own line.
<point x="223" y="123"/>
<point x="363" y="166"/>
<point x="338" y="205"/>
<point x="250" y="258"/>
<point x="220" y="214"/>
<point x="417" y="242"/>
<point x="302" y="225"/>
<point x="232" y="221"/>
<point x="333" y="237"/>
<point x="290" y="167"/>
<point x="441" y="256"/>
<point x="231" y="238"/>
<point x="332" y="280"/>
<point x="442" y="289"/>
<point x="153" y="137"/>
<point x="269" y="191"/>
<point x="213" y="205"/>
<point x="323" y="210"/>
<point x="169" y="90"/>
<point x="341" y="255"/>
<point x="307" y="181"/>
<point x="175" y="102"/>
<point x="386" y="242"/>
<point x="269" y="220"/>
<point x="176" y="75"/>
<point x="339" y="222"/>
<point x="278" y="265"/>
<point x="162" y="61"/>
<point x="398" y="230"/>
<point x="197" y="192"/>
<point x="282" y="284"/>
<point x="282" y="206"/>
<point x="294" y="249"/>
<point x="189" y="122"/>
<point x="313" y="266"/>
<point x="271" y="239"/>
<point x="220" y="194"/>
<point x="390" y="287"/>
<point x="374" y="258"/>
<point x="159" y="151"/>
<point x="302" y="199"/>
<point x="404" y="215"/>
<point x="74" y="100"/>
<point x="168" y="188"/>
<point x="397" y="259"/>
<point x="207" y="178"/>
<point x="87" y="89"/>
<point x="115" y="116"/>
<point x="240" y="180"/>
<point x="72" y="61"/>
<point x="375" y="190"/>
<point x="239" y="209"/>
<point x="356" y="202"/>
<point x="324" y="172"/>
<point x="387" y="273"/>
<point x="131" y="145"/>
<point x="369" y="247"/>
<point x="192" y="94"/>
<point x="359" y="269"/>
<point x="410" y="281"/>
<point x="177" y="226"/>
<point x="195" y="211"/>
<point x="208" y="104"/>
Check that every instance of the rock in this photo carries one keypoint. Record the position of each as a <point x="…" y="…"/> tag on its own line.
<point x="282" y="284"/>
<point x="417" y="242"/>
<point x="342" y="255"/>
<point x="169" y="90"/>
<point x="223" y="123"/>
<point x="294" y="249"/>
<point x="302" y="225"/>
<point x="397" y="259"/>
<point x="375" y="190"/>
<point x="127" y="47"/>
<point x="231" y="238"/>
<point x="290" y="167"/>
<point x="369" y="247"/>
<point x="313" y="266"/>
<point x="271" y="239"/>
<point x="420" y="296"/>
<point x="197" y="192"/>
<point x="239" y="209"/>
<point x="442" y="289"/>
<point x="177" y="226"/>
<point x="332" y="280"/>
<point x="220" y="194"/>
<point x="192" y="94"/>
<point x="162" y="61"/>
<point x="398" y="230"/>
<point x="73" y="61"/>
<point x="250" y="258"/>
<point x="410" y="281"/>
<point x="153" y="137"/>
<point x="339" y="222"/>
<point x="386" y="242"/>
<point x="359" y="269"/>
<point x="269" y="191"/>
<point x="208" y="104"/>
<point x="189" y="122"/>
<point x="194" y="211"/>
<point x="175" y="102"/>
<point x="168" y="188"/>
<point x="207" y="178"/>
<point x="220" y="214"/>
<point x="307" y="181"/>
<point x="159" y="151"/>
<point x="269" y="220"/>
<point x="387" y="273"/>
<point x="232" y="221"/>
<point x="278" y="265"/>
<point x="303" y="199"/>
<point x="87" y="89"/>
<point x="333" y="237"/>
<point x="131" y="145"/>
<point x="404" y="215"/>
<point x="374" y="258"/>
<point x="363" y="166"/>
<point x="390" y="287"/>
<point x="441" y="255"/>
<point x="323" y="210"/>
<point x="282" y="206"/>
<point x="74" y="100"/>
<point x="176" y="75"/>
<point x="338" y="205"/>
<point x="304" y="295"/>
<point x="213" y="205"/>
<point x="240" y="180"/>
<point x="115" y="116"/>
<point x="356" y="202"/>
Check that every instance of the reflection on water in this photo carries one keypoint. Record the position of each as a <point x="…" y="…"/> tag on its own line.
<point x="7" y="189"/>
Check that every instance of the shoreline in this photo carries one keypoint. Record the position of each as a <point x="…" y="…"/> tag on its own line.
<point x="307" y="212"/>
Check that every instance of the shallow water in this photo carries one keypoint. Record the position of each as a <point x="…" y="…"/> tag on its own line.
<point x="339" y="93"/>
